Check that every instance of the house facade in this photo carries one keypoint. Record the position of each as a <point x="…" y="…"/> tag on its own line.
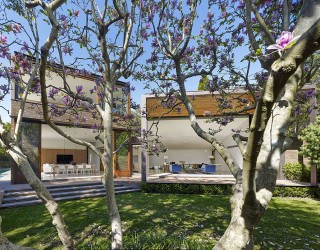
<point x="184" y="146"/>
<point x="43" y="145"/>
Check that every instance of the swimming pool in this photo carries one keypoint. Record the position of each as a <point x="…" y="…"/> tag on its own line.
<point x="3" y="171"/>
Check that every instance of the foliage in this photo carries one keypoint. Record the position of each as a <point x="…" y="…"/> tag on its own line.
<point x="301" y="192"/>
<point x="297" y="172"/>
<point x="203" y="83"/>
<point x="311" y="136"/>
<point x="157" y="221"/>
<point x="300" y="115"/>
<point x="4" y="156"/>
<point x="222" y="189"/>
<point x="179" y="188"/>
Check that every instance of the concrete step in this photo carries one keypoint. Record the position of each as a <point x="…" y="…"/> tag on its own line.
<point x="57" y="193"/>
<point x="13" y="198"/>
<point x="72" y="197"/>
<point x="66" y="186"/>
<point x="53" y="189"/>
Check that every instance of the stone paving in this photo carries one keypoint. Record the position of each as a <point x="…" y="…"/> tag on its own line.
<point x="135" y="180"/>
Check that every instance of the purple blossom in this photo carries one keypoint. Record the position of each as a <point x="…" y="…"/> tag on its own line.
<point x="285" y="38"/>
<point x="4" y="52"/>
<point x="3" y="74"/>
<point x="284" y="41"/>
<point x="4" y="88"/>
<point x="297" y="110"/>
<point x="35" y="87"/>
<point x="135" y="106"/>
<point x="154" y="43"/>
<point x="76" y="12"/>
<point x="52" y="106"/>
<point x="15" y="28"/>
<point x="52" y="92"/>
<point x="310" y="93"/>
<point x="67" y="50"/>
<point x="79" y="89"/>
<point x="25" y="47"/>
<point x="3" y="39"/>
<point x="24" y="65"/>
<point x="63" y="17"/>
<point x="94" y="126"/>
<point x="66" y="100"/>
<point x="144" y="34"/>
<point x="244" y="100"/>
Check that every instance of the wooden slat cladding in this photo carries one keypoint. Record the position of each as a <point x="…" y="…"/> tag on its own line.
<point x="34" y="111"/>
<point x="50" y="155"/>
<point x="156" y="107"/>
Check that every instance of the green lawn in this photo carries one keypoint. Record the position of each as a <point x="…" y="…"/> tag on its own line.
<point x="161" y="221"/>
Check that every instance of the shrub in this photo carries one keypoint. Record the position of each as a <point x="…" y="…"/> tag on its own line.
<point x="296" y="172"/>
<point x="302" y="192"/>
<point x="223" y="189"/>
<point x="179" y="188"/>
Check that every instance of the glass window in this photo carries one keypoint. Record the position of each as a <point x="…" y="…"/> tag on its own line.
<point x="121" y="147"/>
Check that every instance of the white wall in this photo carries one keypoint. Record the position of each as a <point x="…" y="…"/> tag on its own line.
<point x="234" y="151"/>
<point x="187" y="155"/>
<point x="136" y="158"/>
<point x="51" y="143"/>
<point x="55" y="80"/>
<point x="93" y="158"/>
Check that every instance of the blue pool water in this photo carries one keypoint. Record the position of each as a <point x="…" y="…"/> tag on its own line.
<point x="3" y="170"/>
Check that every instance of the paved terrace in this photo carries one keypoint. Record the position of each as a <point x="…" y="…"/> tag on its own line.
<point x="135" y="180"/>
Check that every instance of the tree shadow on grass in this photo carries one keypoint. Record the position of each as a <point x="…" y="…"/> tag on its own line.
<point x="287" y="224"/>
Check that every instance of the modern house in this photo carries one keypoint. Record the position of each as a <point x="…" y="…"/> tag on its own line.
<point x="44" y="145"/>
<point x="182" y="143"/>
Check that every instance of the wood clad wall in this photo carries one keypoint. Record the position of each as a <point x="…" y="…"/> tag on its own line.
<point x="50" y="155"/>
<point x="201" y="103"/>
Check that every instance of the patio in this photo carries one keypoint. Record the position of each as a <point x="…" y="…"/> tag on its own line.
<point x="135" y="179"/>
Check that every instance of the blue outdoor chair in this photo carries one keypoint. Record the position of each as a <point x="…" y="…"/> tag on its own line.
<point x="175" y="168"/>
<point x="208" y="169"/>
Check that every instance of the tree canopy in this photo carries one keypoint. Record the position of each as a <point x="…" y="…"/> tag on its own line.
<point x="257" y="46"/>
<point x="311" y="138"/>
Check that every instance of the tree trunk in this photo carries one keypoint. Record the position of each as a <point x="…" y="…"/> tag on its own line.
<point x="247" y="211"/>
<point x="43" y="193"/>
<point x="114" y="216"/>
<point x="238" y="235"/>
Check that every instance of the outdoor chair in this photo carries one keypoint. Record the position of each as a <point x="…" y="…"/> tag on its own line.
<point x="48" y="169"/>
<point x="87" y="168"/>
<point x="80" y="169"/>
<point x="70" y="169"/>
<point x="175" y="168"/>
<point x="208" y="169"/>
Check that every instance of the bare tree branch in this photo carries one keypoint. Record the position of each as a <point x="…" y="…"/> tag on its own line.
<point x="287" y="5"/>
<point x="238" y="140"/>
<point x="262" y="23"/>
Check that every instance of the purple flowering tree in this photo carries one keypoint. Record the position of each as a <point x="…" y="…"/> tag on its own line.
<point x="89" y="36"/>
<point x="17" y="68"/>
<point x="103" y="37"/>
<point x="273" y="36"/>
